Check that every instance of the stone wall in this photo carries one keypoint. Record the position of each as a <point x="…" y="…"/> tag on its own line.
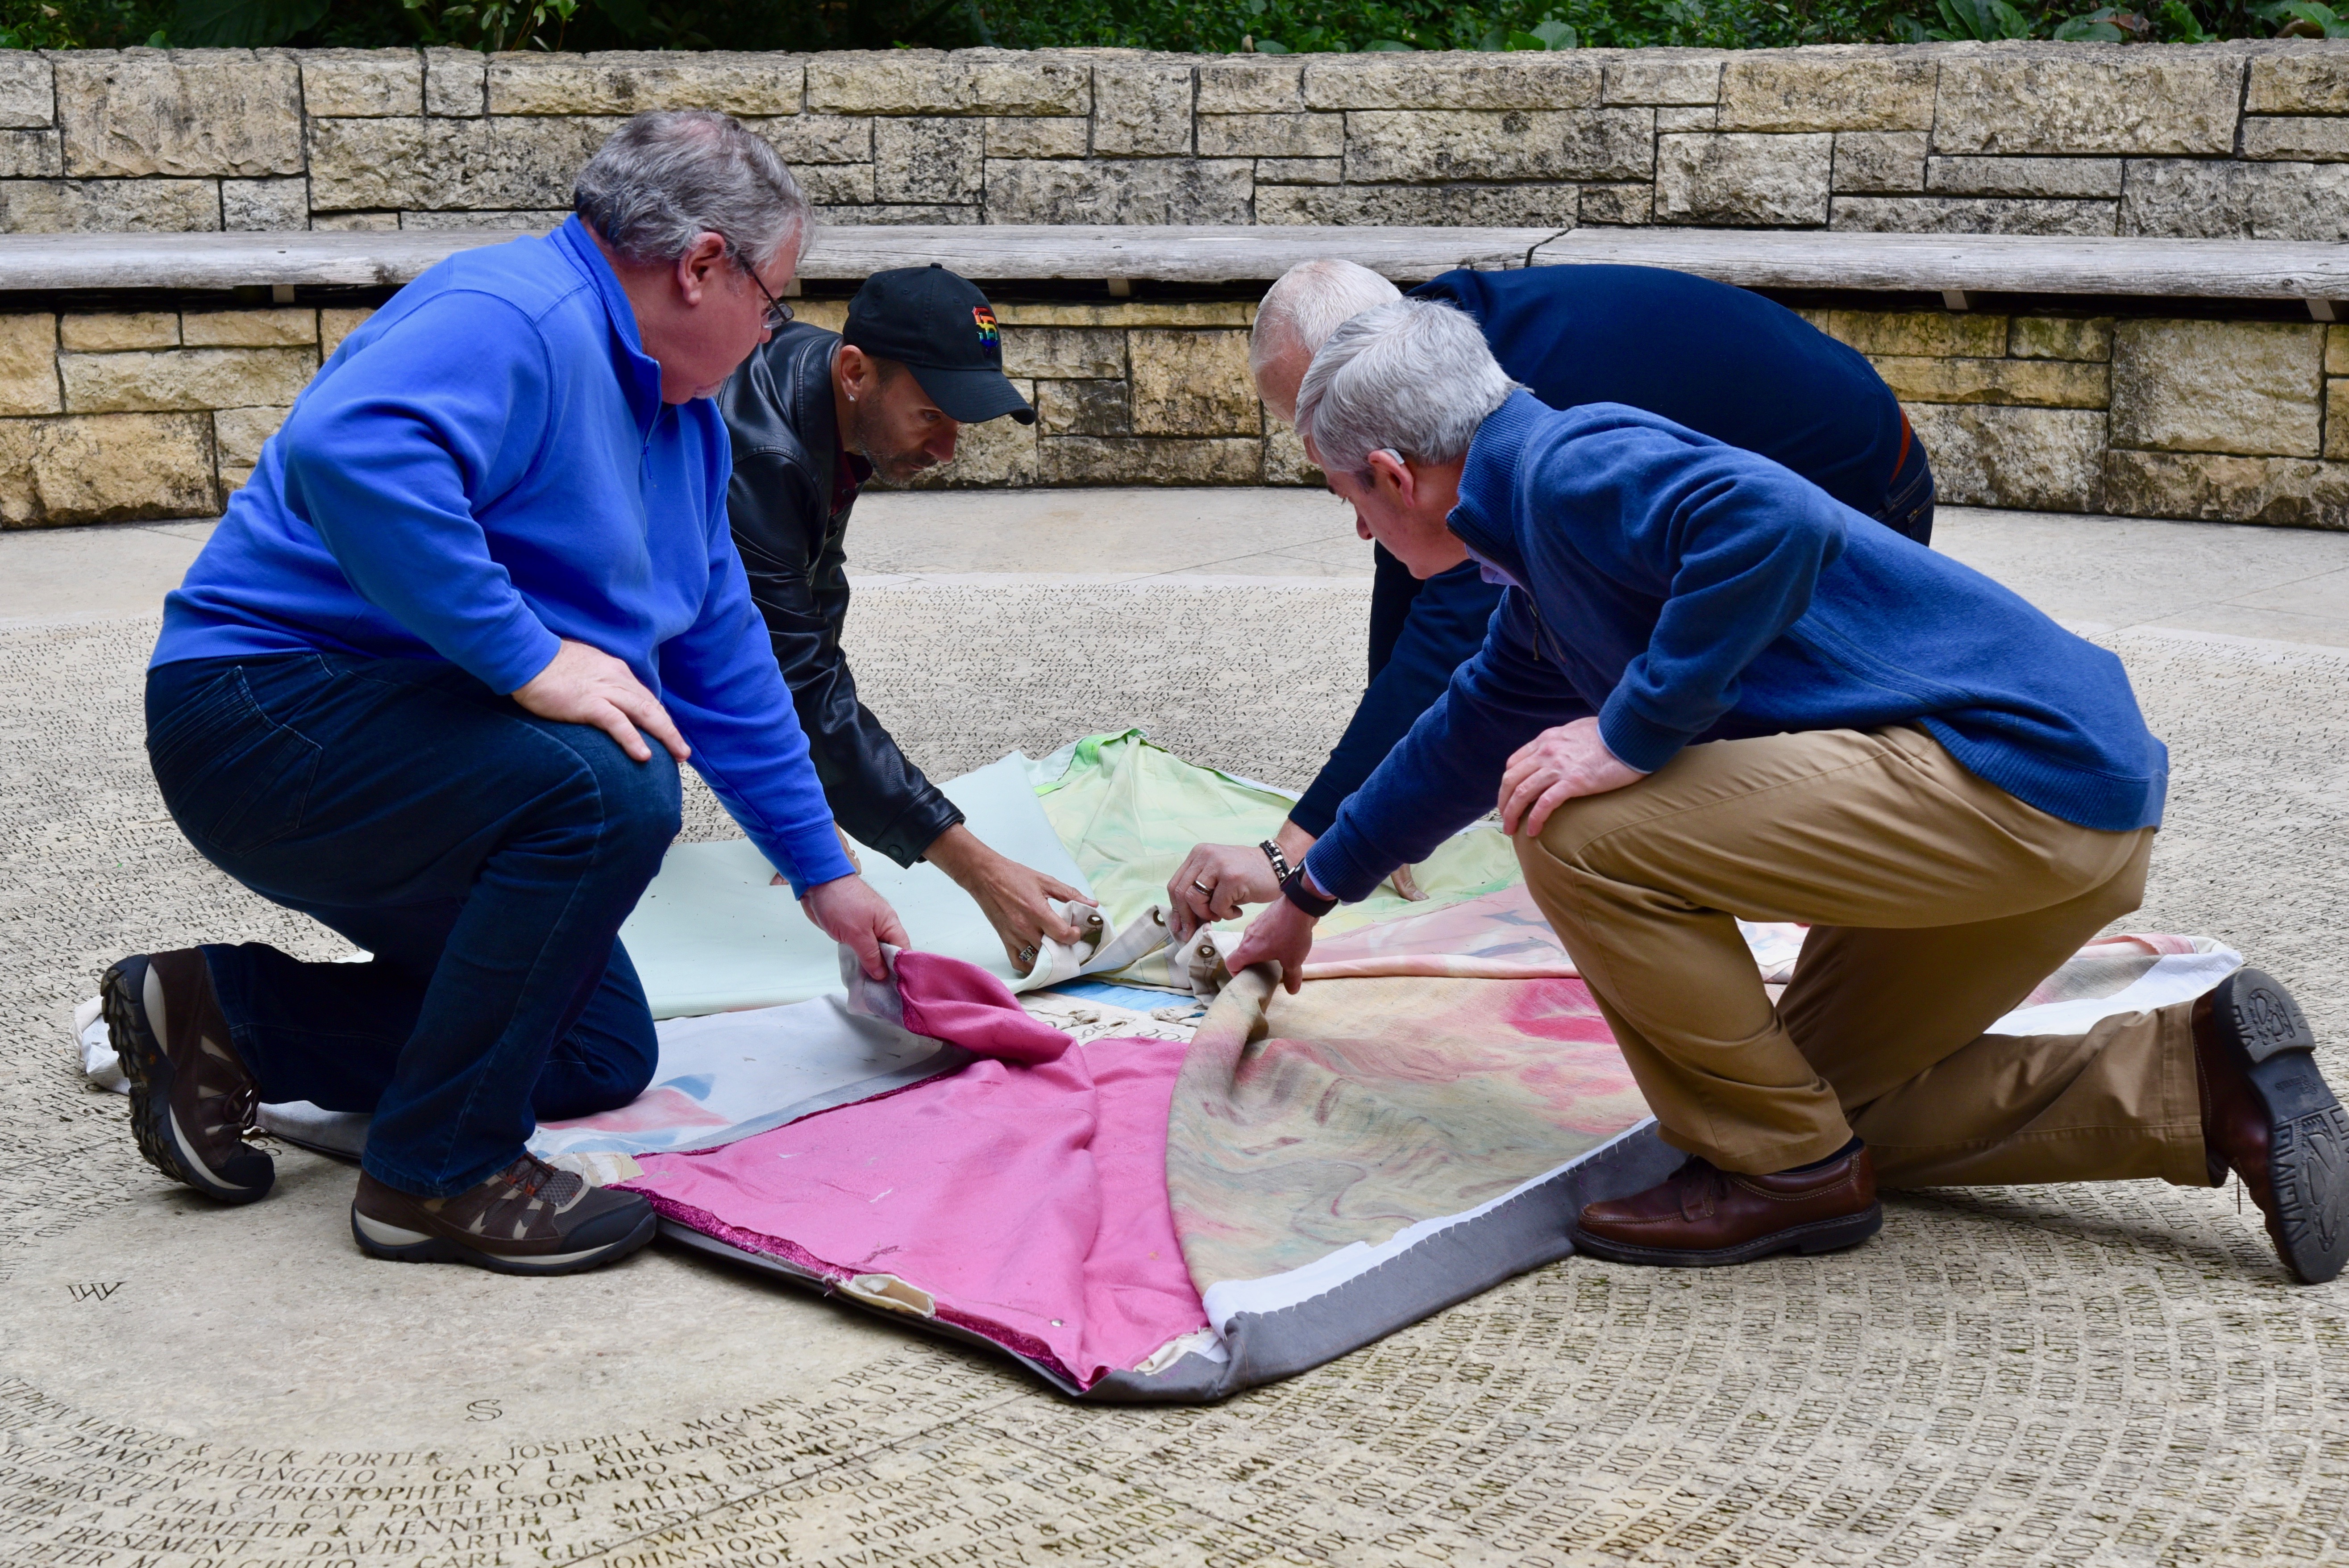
<point x="2247" y="139"/>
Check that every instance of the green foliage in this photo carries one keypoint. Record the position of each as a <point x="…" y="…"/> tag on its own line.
<point x="1981" y="20"/>
<point x="2305" y="19"/>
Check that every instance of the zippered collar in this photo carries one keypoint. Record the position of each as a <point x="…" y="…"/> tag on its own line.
<point x="639" y="373"/>
<point x="1485" y="517"/>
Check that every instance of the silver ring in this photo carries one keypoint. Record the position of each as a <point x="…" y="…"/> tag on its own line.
<point x="1028" y="954"/>
<point x="1203" y="888"/>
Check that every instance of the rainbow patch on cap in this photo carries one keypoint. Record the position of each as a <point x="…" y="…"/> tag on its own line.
<point x="989" y="338"/>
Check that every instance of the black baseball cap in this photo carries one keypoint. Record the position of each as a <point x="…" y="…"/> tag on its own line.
<point x="941" y="329"/>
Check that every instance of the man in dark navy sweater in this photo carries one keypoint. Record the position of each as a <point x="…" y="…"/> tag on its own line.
<point x="1711" y="691"/>
<point x="1723" y="361"/>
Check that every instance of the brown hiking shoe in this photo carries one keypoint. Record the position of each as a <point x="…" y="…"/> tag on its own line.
<point x="528" y="1219"/>
<point x="2269" y="1116"/>
<point x="1701" y="1216"/>
<point x="191" y="1099"/>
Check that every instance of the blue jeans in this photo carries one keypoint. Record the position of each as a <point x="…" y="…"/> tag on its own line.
<point x="484" y="857"/>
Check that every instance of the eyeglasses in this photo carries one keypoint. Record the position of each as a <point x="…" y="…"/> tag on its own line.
<point x="778" y="314"/>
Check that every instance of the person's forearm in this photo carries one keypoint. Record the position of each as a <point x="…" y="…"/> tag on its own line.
<point x="1293" y="841"/>
<point x="961" y="854"/>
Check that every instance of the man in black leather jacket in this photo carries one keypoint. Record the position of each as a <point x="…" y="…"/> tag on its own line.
<point x="814" y="414"/>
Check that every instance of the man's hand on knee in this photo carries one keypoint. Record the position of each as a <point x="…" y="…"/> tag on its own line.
<point x="851" y="913"/>
<point x="1557" y="766"/>
<point x="584" y="685"/>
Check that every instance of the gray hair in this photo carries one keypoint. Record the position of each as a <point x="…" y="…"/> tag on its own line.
<point x="1414" y="376"/>
<point x="1312" y="300"/>
<point x="665" y="179"/>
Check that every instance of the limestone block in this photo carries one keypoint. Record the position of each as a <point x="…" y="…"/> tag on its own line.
<point x="2337" y="418"/>
<point x="929" y="160"/>
<point x="1842" y="89"/>
<point x="1457" y="79"/>
<point x="2061" y="337"/>
<point x="110" y="333"/>
<point x="820" y="137"/>
<point x="249" y="329"/>
<point x="1936" y="333"/>
<point x="998" y="453"/>
<point x="105" y="468"/>
<point x="1547" y="206"/>
<point x="1972" y="215"/>
<point x="1272" y="135"/>
<point x="2336" y="350"/>
<point x="354" y="223"/>
<point x="926" y="212"/>
<point x="1131" y="313"/>
<point x="2206" y="487"/>
<point x="968" y="82"/>
<point x="1435" y="145"/>
<point x="108" y="206"/>
<point x="213" y="112"/>
<point x="31" y="155"/>
<point x="264" y="206"/>
<point x="1742" y="179"/>
<point x="238" y="433"/>
<point x="524" y="221"/>
<point x="356" y="83"/>
<point x="832" y="315"/>
<point x="1298" y="172"/>
<point x="1617" y="205"/>
<point x="185" y="379"/>
<point x="1142" y="110"/>
<point x="1191" y="383"/>
<point x="1083" y="408"/>
<point x="1365" y="205"/>
<point x="28" y="364"/>
<point x="1135" y="460"/>
<point x="1030" y="136"/>
<point x="2090" y="99"/>
<point x="1879" y="161"/>
<point x="2038" y="460"/>
<point x="456" y="83"/>
<point x="2015" y="383"/>
<point x="1119" y="190"/>
<point x="839" y="184"/>
<point x="1664" y="77"/>
<point x="2073" y="177"/>
<point x="28" y="94"/>
<point x="506" y="163"/>
<point x="2314" y="140"/>
<point x="2311" y="78"/>
<point x="2244" y="387"/>
<point x="1243" y="86"/>
<point x="334" y="325"/>
<point x="1285" y="461"/>
<point x="2194" y="198"/>
<point x="628" y="82"/>
<point x="1063" y="353"/>
<point x="1705" y="118"/>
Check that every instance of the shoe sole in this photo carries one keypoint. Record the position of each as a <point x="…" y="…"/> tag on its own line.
<point x="1818" y="1236"/>
<point x="124" y="1003"/>
<point x="2308" y="1149"/>
<point x="397" y="1244"/>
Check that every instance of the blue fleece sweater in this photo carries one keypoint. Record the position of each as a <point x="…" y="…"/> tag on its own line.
<point x="1685" y="590"/>
<point x="486" y="467"/>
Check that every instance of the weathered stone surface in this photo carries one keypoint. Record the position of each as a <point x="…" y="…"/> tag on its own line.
<point x="339" y="83"/>
<point x="216" y="111"/>
<point x="238" y="433"/>
<point x="2061" y="337"/>
<point x="998" y="452"/>
<point x="2073" y="177"/>
<point x="1142" y="110"/>
<point x="450" y="164"/>
<point x="28" y="94"/>
<point x="264" y="205"/>
<point x="2336" y="350"/>
<point x="249" y="329"/>
<point x="108" y="206"/>
<point x="929" y="160"/>
<point x="1433" y="145"/>
<point x="1847" y="89"/>
<point x="335" y="324"/>
<point x="456" y="83"/>
<point x="1272" y="135"/>
<point x="2092" y="98"/>
<point x="521" y="221"/>
<point x="1118" y="191"/>
<point x="1365" y="205"/>
<point x="1262" y="85"/>
<point x="969" y="81"/>
<point x="1664" y="77"/>
<point x="1131" y="313"/>
<point x="31" y="155"/>
<point x="354" y="223"/>
<point x="1550" y="206"/>
<point x="2311" y="78"/>
<point x="2312" y="139"/>
<point x="925" y="213"/>
<point x="1285" y="461"/>
<point x="2040" y="460"/>
<point x="1972" y="215"/>
<point x="2193" y="199"/>
<point x="105" y="468"/>
<point x="625" y="83"/>
<point x="1083" y="408"/>
<point x="1617" y="205"/>
<point x="109" y="333"/>
<point x="28" y="364"/>
<point x="1032" y="135"/>
<point x="841" y="184"/>
<point x="2016" y="383"/>
<point x="2242" y="387"/>
<point x="1704" y="118"/>
<point x="2209" y="487"/>
<point x="2337" y="418"/>
<point x="1890" y="161"/>
<point x="1191" y="383"/>
<point x="1141" y="460"/>
<point x="1063" y="353"/>
<point x="821" y="137"/>
<point x="1457" y="80"/>
<point x="1298" y="172"/>
<point x="1742" y="178"/>
<point x="185" y="379"/>
<point x="1937" y="334"/>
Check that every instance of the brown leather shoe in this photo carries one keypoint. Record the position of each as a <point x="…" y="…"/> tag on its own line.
<point x="1701" y="1216"/>
<point x="191" y="1100"/>
<point x="2268" y="1116"/>
<point x="528" y="1219"/>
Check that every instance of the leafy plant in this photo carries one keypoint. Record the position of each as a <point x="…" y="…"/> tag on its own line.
<point x="493" y="24"/>
<point x="2105" y="25"/>
<point x="2303" y="19"/>
<point x="1982" y="20"/>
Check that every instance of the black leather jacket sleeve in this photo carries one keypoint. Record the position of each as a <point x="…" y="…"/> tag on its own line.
<point x="779" y="409"/>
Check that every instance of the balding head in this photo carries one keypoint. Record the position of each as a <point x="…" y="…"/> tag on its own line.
<point x="1312" y="301"/>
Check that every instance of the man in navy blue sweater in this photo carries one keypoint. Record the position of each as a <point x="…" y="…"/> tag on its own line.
<point x="1723" y="361"/>
<point x="1713" y="692"/>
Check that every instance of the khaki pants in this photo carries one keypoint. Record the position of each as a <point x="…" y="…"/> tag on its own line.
<point x="1937" y="902"/>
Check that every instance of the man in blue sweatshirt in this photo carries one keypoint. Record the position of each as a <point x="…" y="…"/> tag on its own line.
<point x="1713" y="692"/>
<point x="408" y="687"/>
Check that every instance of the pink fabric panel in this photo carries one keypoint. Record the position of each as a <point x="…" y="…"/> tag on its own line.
<point x="1030" y="1201"/>
<point x="961" y="1003"/>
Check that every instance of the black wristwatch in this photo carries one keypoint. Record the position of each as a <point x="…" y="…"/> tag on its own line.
<point x="1297" y="893"/>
